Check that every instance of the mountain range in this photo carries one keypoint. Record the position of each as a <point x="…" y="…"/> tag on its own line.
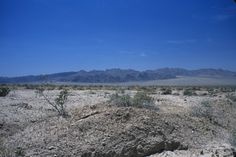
<point x="119" y="75"/>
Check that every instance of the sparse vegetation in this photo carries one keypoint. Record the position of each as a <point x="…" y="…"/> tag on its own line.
<point x="59" y="102"/>
<point x="233" y="139"/>
<point x="189" y="92"/>
<point x="92" y="92"/>
<point x="167" y="91"/>
<point x="120" y="100"/>
<point x="231" y="97"/>
<point x="121" y="91"/>
<point x="5" y="152"/>
<point x="205" y="110"/>
<point x="130" y="111"/>
<point x="140" y="99"/>
<point x="4" y="91"/>
<point x="147" y="89"/>
<point x="19" y="152"/>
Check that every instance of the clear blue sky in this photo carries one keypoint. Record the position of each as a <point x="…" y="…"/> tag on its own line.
<point x="47" y="36"/>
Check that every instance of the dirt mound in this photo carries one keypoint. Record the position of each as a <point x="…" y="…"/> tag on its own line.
<point x="108" y="131"/>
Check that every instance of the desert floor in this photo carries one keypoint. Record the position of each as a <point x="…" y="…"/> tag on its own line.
<point x="202" y="124"/>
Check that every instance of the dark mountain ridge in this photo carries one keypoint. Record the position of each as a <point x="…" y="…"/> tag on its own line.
<point x="119" y="75"/>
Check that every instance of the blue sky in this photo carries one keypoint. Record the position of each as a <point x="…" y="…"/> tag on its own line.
<point x="47" y="36"/>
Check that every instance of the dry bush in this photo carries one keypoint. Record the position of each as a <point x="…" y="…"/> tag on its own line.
<point x="59" y="102"/>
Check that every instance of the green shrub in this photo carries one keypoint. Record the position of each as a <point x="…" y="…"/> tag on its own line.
<point x="167" y="91"/>
<point x="120" y="100"/>
<point x="4" y="91"/>
<point x="140" y="99"/>
<point x="19" y="152"/>
<point x="189" y="92"/>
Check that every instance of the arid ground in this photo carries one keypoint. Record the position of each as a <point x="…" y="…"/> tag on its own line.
<point x="199" y="122"/>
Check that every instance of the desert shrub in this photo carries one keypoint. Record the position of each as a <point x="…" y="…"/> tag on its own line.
<point x="92" y="92"/>
<point x="61" y="87"/>
<point x="120" y="100"/>
<point x="231" y="97"/>
<point x="233" y="138"/>
<point x="4" y="91"/>
<point x="5" y="152"/>
<point x="167" y="91"/>
<point x="141" y="99"/>
<point x="205" y="110"/>
<point x="211" y="91"/>
<point x="121" y="90"/>
<point x="179" y="88"/>
<point x="149" y="89"/>
<point x="203" y="94"/>
<point x="29" y="86"/>
<point x="227" y="89"/>
<point x="196" y="88"/>
<point x="189" y="92"/>
<point x="59" y="102"/>
<point x="19" y="152"/>
<point x="176" y="94"/>
<point x="50" y="87"/>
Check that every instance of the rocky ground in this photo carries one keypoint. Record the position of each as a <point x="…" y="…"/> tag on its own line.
<point x="198" y="125"/>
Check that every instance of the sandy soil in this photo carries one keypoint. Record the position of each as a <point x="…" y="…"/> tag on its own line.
<point x="29" y="124"/>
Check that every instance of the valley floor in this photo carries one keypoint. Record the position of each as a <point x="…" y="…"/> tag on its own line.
<point x="200" y="124"/>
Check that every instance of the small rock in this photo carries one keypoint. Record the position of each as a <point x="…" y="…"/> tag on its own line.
<point x="139" y="148"/>
<point x="202" y="153"/>
<point x="51" y="148"/>
<point x="33" y="121"/>
<point x="1" y="124"/>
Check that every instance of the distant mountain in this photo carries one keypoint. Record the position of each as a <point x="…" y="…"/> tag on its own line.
<point x="119" y="75"/>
